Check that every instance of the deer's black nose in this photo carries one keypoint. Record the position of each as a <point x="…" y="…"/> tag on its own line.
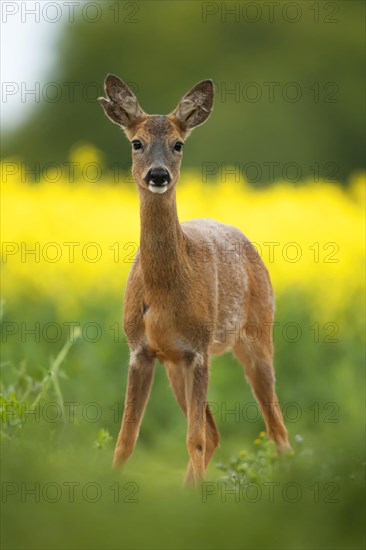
<point x="157" y="176"/>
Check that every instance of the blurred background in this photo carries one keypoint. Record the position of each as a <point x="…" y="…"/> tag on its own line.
<point x="288" y="77"/>
<point x="282" y="158"/>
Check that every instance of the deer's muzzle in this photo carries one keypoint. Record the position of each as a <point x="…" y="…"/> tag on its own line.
<point x="157" y="177"/>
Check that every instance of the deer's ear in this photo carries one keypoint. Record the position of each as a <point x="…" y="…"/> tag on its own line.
<point x="121" y="105"/>
<point x="196" y="106"/>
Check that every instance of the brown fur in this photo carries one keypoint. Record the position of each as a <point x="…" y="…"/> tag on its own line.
<point x="196" y="288"/>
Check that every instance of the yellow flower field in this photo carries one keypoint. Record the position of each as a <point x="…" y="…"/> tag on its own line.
<point x="70" y="240"/>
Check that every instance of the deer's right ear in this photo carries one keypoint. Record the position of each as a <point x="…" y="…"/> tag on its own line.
<point x="196" y="106"/>
<point x="121" y="105"/>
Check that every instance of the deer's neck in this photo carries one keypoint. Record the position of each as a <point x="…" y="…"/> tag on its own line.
<point x="162" y="242"/>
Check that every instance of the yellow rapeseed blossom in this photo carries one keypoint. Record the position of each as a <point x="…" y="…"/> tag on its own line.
<point x="73" y="240"/>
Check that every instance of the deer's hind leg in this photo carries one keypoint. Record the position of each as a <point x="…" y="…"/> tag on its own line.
<point x="255" y="352"/>
<point x="176" y="377"/>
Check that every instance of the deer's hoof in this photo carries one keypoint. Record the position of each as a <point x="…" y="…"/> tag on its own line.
<point x="118" y="460"/>
<point x="285" y="449"/>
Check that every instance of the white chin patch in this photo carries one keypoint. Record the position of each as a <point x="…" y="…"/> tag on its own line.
<point x="158" y="189"/>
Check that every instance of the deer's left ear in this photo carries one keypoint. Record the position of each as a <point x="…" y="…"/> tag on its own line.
<point x="121" y="105"/>
<point x="195" y="107"/>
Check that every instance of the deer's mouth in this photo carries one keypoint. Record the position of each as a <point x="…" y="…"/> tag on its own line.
<point x="158" y="188"/>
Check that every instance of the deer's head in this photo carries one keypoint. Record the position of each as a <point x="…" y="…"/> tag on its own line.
<point x="157" y="140"/>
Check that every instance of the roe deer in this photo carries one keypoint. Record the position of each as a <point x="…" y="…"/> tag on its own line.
<point x="185" y="298"/>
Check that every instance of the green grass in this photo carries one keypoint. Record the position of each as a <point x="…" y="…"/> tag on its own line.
<point x="311" y="500"/>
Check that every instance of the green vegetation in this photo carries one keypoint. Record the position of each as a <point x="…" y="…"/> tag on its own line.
<point x="289" y="86"/>
<point x="312" y="500"/>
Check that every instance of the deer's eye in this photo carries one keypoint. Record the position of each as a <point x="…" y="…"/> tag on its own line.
<point x="178" y="146"/>
<point x="136" y="144"/>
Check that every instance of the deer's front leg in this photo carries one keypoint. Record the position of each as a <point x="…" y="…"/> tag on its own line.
<point x="140" y="376"/>
<point x="196" y="385"/>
